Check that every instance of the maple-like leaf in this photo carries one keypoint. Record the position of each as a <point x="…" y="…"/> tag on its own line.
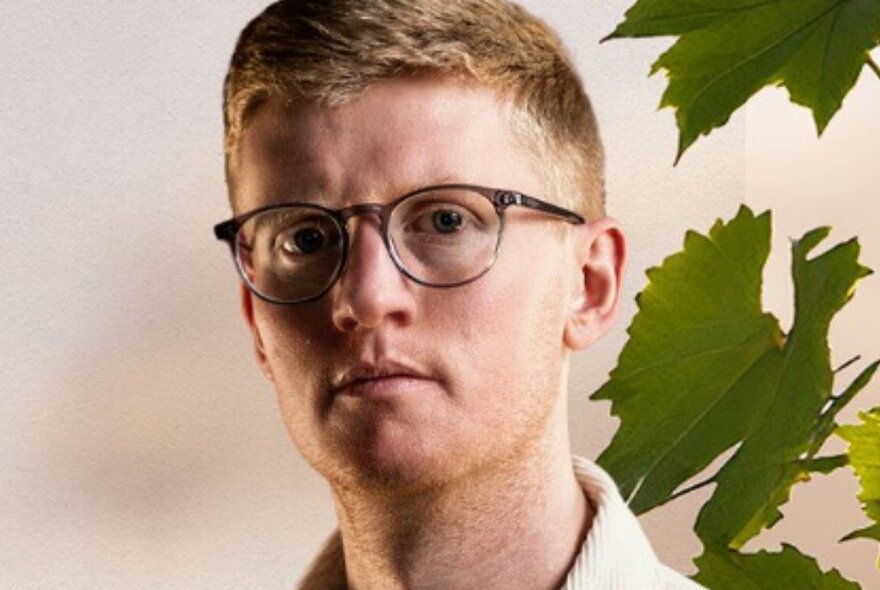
<point x="789" y="569"/>
<point x="864" y="457"/>
<point x="729" y="49"/>
<point x="693" y="346"/>
<point x="705" y="369"/>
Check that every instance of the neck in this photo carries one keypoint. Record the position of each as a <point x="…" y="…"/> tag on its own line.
<point x="517" y="524"/>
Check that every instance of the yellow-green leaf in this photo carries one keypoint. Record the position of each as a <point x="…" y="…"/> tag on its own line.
<point x="864" y="457"/>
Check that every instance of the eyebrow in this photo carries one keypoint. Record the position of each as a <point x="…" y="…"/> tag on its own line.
<point x="406" y="189"/>
<point x="325" y="199"/>
<point x="386" y="193"/>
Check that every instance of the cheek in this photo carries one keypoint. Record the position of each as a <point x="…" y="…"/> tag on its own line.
<point x="293" y="350"/>
<point x="294" y="353"/>
<point x="294" y="331"/>
<point x="504" y="335"/>
<point x="283" y="339"/>
<point x="526" y="299"/>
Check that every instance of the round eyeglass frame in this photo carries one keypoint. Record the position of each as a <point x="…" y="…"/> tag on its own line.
<point x="227" y="231"/>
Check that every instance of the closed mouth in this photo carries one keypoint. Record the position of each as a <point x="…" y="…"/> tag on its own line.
<point x="367" y="378"/>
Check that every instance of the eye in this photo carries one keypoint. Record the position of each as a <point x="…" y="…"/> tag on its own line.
<point x="436" y="219"/>
<point x="304" y="240"/>
<point x="447" y="221"/>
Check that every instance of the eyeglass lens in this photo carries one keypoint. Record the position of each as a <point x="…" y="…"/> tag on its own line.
<point x="439" y="237"/>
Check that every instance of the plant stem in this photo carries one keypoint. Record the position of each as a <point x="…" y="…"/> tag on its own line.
<point x="824" y="465"/>
<point x="825" y="426"/>
<point x="692" y="488"/>
<point x="854" y="359"/>
<point x="873" y="65"/>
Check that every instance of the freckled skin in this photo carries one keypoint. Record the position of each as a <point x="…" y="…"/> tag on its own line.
<point x="471" y="466"/>
<point x="489" y="343"/>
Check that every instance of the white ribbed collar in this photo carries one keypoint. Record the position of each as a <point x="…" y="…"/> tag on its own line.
<point x="615" y="556"/>
<point x="616" y="553"/>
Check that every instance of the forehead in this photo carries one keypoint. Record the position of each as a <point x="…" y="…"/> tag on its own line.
<point x="399" y="135"/>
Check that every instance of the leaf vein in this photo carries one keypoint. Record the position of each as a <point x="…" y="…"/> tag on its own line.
<point x="692" y="355"/>
<point x="736" y="67"/>
<point x="712" y="12"/>
<point x="823" y="70"/>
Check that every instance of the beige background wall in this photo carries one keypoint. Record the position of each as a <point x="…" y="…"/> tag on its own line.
<point x="139" y="445"/>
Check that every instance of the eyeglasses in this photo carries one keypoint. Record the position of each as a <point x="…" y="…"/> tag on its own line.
<point x="438" y="236"/>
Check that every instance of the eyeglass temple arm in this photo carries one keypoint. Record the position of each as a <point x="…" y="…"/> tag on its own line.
<point x="512" y="198"/>
<point x="227" y="231"/>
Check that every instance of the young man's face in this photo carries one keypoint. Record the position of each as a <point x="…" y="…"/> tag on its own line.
<point x="472" y="373"/>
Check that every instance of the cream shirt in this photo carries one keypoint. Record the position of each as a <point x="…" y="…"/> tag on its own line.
<point x="615" y="556"/>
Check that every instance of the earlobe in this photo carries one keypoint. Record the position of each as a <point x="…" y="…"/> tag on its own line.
<point x="247" y="308"/>
<point x="601" y="257"/>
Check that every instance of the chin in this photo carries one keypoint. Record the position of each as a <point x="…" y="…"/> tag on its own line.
<point x="398" y="460"/>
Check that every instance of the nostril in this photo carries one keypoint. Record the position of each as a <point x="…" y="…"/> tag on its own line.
<point x="344" y="320"/>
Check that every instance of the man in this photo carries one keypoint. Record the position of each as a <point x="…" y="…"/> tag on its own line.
<point x="418" y="198"/>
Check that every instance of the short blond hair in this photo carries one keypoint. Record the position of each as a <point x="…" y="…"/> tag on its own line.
<point x="329" y="51"/>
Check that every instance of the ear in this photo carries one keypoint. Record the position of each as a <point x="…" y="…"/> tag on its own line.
<point x="600" y="253"/>
<point x="247" y="308"/>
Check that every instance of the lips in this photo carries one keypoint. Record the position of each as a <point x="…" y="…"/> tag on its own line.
<point x="382" y="378"/>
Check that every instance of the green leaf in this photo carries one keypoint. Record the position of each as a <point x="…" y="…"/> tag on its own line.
<point x="871" y="532"/>
<point x="864" y="456"/>
<point x="723" y="569"/>
<point x="759" y="477"/>
<point x="729" y="49"/>
<point x="823" y="465"/>
<point x="652" y="18"/>
<point x="693" y="359"/>
<point x="706" y="368"/>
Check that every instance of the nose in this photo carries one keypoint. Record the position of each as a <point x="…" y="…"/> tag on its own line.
<point x="371" y="290"/>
